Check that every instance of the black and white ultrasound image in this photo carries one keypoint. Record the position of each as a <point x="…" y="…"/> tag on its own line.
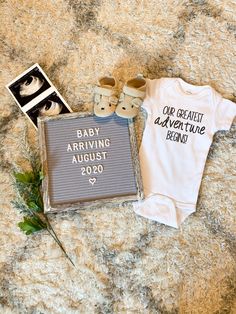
<point x="50" y="106"/>
<point x="29" y="86"/>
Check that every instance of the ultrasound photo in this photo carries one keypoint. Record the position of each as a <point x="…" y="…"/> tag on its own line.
<point x="50" y="106"/>
<point x="29" y="86"/>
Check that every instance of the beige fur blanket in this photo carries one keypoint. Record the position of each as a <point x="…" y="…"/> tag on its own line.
<point x="125" y="263"/>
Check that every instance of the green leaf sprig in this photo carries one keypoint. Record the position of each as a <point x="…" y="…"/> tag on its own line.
<point x="30" y="204"/>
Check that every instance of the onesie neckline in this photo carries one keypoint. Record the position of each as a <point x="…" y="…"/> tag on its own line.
<point x="189" y="90"/>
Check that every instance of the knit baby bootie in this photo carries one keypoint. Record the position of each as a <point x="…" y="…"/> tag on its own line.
<point x="105" y="97"/>
<point x="132" y="97"/>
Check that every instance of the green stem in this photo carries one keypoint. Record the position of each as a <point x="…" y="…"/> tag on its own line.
<point x="52" y="233"/>
<point x="60" y="245"/>
<point x="56" y="239"/>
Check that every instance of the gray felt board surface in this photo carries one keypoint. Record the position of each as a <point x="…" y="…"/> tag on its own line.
<point x="73" y="177"/>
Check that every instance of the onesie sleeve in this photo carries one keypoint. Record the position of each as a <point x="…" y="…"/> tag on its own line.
<point x="152" y="92"/>
<point x="224" y="114"/>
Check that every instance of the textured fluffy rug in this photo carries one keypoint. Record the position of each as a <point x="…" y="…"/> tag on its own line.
<point x="125" y="263"/>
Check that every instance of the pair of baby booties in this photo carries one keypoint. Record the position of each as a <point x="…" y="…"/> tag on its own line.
<point x="107" y="101"/>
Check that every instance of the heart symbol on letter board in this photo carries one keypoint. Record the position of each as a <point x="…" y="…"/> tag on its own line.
<point x="92" y="180"/>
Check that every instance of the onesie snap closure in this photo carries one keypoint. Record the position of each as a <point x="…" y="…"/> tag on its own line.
<point x="156" y="206"/>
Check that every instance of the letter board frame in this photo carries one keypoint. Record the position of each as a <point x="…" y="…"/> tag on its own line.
<point x="53" y="129"/>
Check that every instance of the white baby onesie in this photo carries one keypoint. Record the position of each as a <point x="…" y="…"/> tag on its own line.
<point x="181" y="121"/>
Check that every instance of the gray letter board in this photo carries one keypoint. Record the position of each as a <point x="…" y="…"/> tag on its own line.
<point x="88" y="161"/>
